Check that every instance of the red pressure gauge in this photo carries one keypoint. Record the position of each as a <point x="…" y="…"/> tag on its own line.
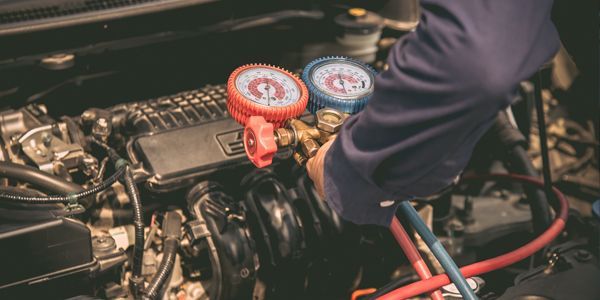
<point x="267" y="91"/>
<point x="261" y="98"/>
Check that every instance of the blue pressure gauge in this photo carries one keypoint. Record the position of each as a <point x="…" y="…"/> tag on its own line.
<point x="341" y="83"/>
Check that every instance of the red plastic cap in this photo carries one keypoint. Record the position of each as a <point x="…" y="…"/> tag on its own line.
<point x="259" y="141"/>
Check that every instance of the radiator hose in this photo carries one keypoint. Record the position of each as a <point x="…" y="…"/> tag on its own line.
<point x="72" y="196"/>
<point x="38" y="178"/>
<point x="513" y="144"/>
<point x="172" y="235"/>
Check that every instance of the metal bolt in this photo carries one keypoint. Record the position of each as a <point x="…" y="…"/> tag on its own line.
<point x="46" y="139"/>
<point x="284" y="137"/>
<point x="582" y="255"/>
<point x="103" y="244"/>
<point x="102" y="122"/>
<point x="244" y="273"/>
<point x="88" y="115"/>
<point x="552" y="260"/>
<point x="329" y="120"/>
<point x="299" y="158"/>
<point x="101" y="128"/>
<point x="310" y="147"/>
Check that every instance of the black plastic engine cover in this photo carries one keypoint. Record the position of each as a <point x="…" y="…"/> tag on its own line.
<point x="180" y="138"/>
<point x="36" y="257"/>
<point x="573" y="274"/>
<point x="174" y="158"/>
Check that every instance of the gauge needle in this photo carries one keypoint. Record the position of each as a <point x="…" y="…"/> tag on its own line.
<point x="342" y="83"/>
<point x="268" y="95"/>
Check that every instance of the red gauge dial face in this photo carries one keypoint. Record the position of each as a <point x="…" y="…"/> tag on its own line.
<point x="342" y="79"/>
<point x="268" y="87"/>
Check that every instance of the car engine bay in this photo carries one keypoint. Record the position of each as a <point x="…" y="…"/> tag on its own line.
<point x="123" y="123"/>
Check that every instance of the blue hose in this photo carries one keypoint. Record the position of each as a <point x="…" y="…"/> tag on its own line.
<point x="438" y="251"/>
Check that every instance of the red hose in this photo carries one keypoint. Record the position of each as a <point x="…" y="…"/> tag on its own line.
<point x="498" y="262"/>
<point x="412" y="254"/>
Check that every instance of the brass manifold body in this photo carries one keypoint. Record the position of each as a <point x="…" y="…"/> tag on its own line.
<point x="306" y="139"/>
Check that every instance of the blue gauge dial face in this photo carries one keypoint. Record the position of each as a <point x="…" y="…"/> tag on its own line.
<point x="343" y="79"/>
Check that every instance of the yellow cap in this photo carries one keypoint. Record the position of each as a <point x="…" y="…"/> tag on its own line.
<point x="357" y="12"/>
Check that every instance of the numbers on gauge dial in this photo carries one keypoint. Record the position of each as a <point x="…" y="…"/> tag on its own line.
<point x="269" y="87"/>
<point x="342" y="79"/>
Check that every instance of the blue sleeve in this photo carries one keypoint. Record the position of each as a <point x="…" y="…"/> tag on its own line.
<point x="445" y="84"/>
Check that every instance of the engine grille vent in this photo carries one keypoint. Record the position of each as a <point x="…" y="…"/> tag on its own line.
<point x="65" y="9"/>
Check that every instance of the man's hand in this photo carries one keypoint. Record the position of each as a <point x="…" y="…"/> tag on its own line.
<point x="315" y="168"/>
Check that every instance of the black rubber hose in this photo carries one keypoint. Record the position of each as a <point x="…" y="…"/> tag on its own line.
<point x="514" y="144"/>
<point x="38" y="178"/>
<point x="123" y="215"/>
<point x="138" y="222"/>
<point x="136" y="280"/>
<point x="402" y="281"/>
<point x="68" y="191"/>
<point x="110" y="152"/>
<point x="541" y="122"/>
<point x="520" y="163"/>
<point x="17" y="212"/>
<point x="172" y="234"/>
<point x="72" y="197"/>
<point x="164" y="270"/>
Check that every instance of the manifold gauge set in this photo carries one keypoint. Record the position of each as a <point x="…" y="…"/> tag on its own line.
<point x="268" y="101"/>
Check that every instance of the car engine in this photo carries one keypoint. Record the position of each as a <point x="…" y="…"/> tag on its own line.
<point x="118" y="110"/>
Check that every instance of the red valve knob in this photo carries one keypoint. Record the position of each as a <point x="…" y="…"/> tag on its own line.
<point x="259" y="141"/>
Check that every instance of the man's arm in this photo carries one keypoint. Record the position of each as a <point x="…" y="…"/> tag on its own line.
<point x="445" y="84"/>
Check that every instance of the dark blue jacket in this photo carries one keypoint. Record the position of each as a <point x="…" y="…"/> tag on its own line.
<point x="445" y="84"/>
